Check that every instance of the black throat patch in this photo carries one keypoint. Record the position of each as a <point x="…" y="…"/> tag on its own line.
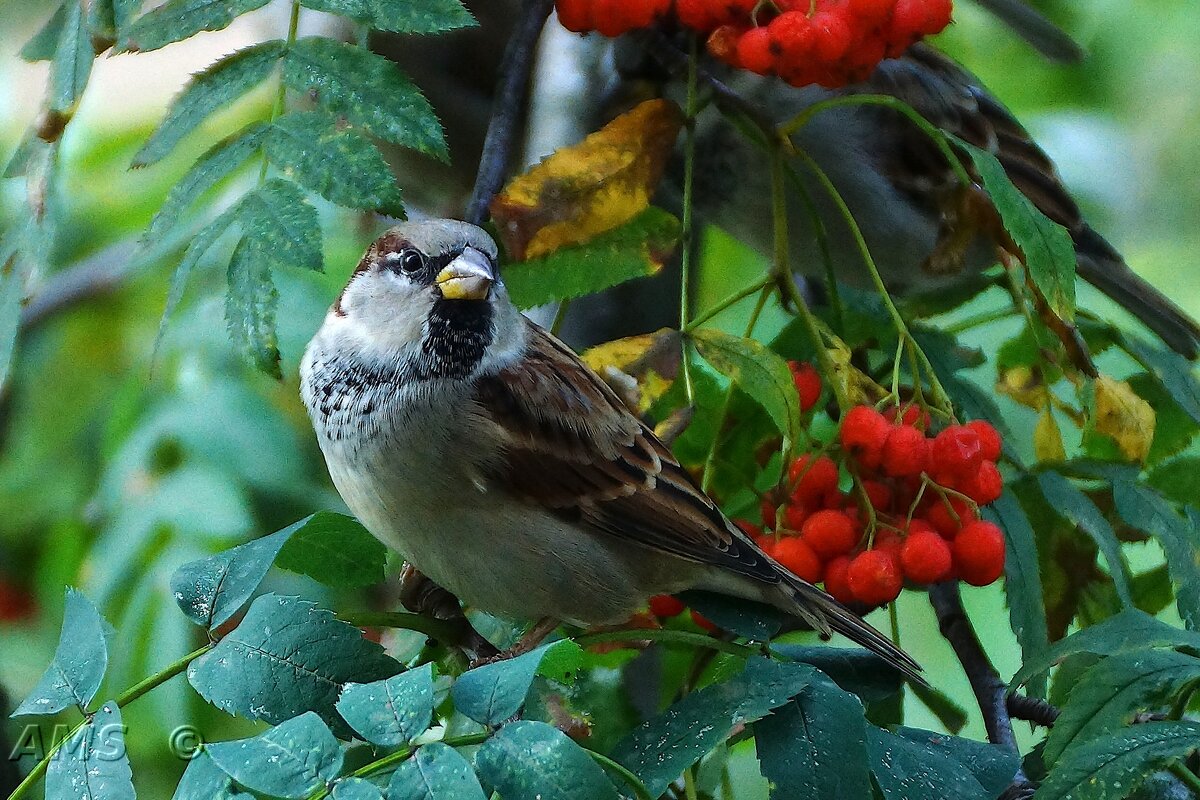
<point x="459" y="333"/>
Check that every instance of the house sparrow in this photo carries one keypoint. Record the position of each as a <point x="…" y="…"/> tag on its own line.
<point x="486" y="453"/>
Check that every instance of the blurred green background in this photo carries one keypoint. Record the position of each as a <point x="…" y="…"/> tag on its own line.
<point x="115" y="468"/>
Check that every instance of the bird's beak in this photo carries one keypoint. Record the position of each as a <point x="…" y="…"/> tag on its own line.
<point x="468" y="277"/>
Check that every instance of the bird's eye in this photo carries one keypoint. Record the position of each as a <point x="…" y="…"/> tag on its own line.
<point x="411" y="261"/>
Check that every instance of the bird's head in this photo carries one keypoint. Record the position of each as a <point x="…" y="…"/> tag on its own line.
<point x="428" y="294"/>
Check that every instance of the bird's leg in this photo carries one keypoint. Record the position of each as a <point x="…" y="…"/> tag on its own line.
<point x="420" y="595"/>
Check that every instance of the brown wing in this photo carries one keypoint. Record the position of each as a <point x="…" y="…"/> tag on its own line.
<point x="573" y="447"/>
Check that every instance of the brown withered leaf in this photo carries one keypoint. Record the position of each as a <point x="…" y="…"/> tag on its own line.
<point x="589" y="188"/>
<point x="1124" y="416"/>
<point x="639" y="368"/>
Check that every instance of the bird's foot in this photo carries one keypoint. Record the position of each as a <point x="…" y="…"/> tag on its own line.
<point x="530" y="640"/>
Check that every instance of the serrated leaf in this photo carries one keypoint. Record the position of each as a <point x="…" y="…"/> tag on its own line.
<point x="93" y="764"/>
<point x="495" y="692"/>
<point x="12" y="293"/>
<point x="210" y="590"/>
<point x="435" y="772"/>
<point x="1047" y="439"/>
<point x="338" y="163"/>
<point x="392" y="711"/>
<point x="755" y="621"/>
<point x="815" y="746"/>
<point x="992" y="766"/>
<point x="905" y="768"/>
<point x="80" y="660"/>
<point x="291" y="760"/>
<point x="1046" y="245"/>
<point x="43" y="44"/>
<point x="1022" y="581"/>
<point x="854" y="669"/>
<point x="1112" y="693"/>
<point x="72" y="60"/>
<point x="401" y="16"/>
<point x="660" y="749"/>
<point x="250" y="306"/>
<point x="529" y="760"/>
<point x="757" y="371"/>
<point x="1073" y="505"/>
<point x="177" y="20"/>
<point x="356" y="789"/>
<point x="215" y="88"/>
<point x="1170" y="369"/>
<point x="1112" y="767"/>
<point x="1174" y="430"/>
<point x="204" y="780"/>
<point x="283" y="224"/>
<point x="1130" y="630"/>
<point x="634" y="250"/>
<point x="287" y="657"/>
<point x="1123" y="416"/>
<point x="1146" y="510"/>
<point x="1178" y="479"/>
<point x="366" y="89"/>
<point x="336" y="550"/>
<point x="208" y="170"/>
<point x="950" y="714"/>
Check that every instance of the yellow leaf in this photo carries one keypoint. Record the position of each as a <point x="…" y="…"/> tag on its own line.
<point x="1126" y="417"/>
<point x="589" y="188"/>
<point x="850" y="381"/>
<point x="1047" y="439"/>
<point x="639" y="368"/>
<point x="1025" y="386"/>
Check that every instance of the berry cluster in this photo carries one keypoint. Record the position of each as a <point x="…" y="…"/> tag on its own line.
<point x="829" y="42"/>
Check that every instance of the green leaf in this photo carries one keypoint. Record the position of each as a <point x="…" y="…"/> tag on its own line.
<point x="1147" y="510"/>
<point x="905" y="769"/>
<point x="1022" y="581"/>
<point x="392" y="711"/>
<point x="291" y="760"/>
<point x="494" y="692"/>
<point x="854" y="669"/>
<point x="177" y="20"/>
<point x="952" y="716"/>
<point x="1112" y="693"/>
<point x="72" y="60"/>
<point x="401" y="16"/>
<point x="660" y="749"/>
<point x="336" y="550"/>
<point x="757" y="371"/>
<point x="93" y="764"/>
<point x="435" y="772"/>
<point x="250" y="306"/>
<point x="1174" y="429"/>
<point x="1172" y="370"/>
<point x="992" y="766"/>
<point x="366" y="89"/>
<point x="339" y="163"/>
<point x="43" y="44"/>
<point x="211" y="590"/>
<point x="1046" y="245"/>
<point x="287" y="657"/>
<point x="356" y="789"/>
<point x="204" y="780"/>
<point x="1129" y="630"/>
<point x="209" y="170"/>
<point x="636" y="249"/>
<point x="1178" y="479"/>
<point x="12" y="293"/>
<point x="283" y="224"/>
<point x="1073" y="505"/>
<point x="815" y="746"/>
<point x="80" y="659"/>
<point x="1112" y="767"/>
<point x="211" y="90"/>
<point x="529" y="760"/>
<point x="755" y="621"/>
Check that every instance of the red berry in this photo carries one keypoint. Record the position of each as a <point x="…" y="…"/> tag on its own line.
<point x="989" y="439"/>
<point x="696" y="14"/>
<point x="798" y="558"/>
<point x="754" y="53"/>
<point x="937" y="15"/>
<point x="575" y="15"/>
<point x="874" y="577"/>
<point x="829" y="533"/>
<point x="956" y="452"/>
<point x="812" y="479"/>
<point x="792" y="35"/>
<point x="985" y="486"/>
<point x="664" y="606"/>
<point x="16" y="602"/>
<point x="888" y="541"/>
<point x="749" y="528"/>
<point x="863" y="433"/>
<point x="870" y="13"/>
<point x="836" y="580"/>
<point x="912" y="414"/>
<point x="768" y="509"/>
<point x="979" y="553"/>
<point x="808" y="380"/>
<point x="702" y="622"/>
<point x="925" y="557"/>
<point x="944" y="522"/>
<point x="905" y="452"/>
<point x="833" y="36"/>
<point x="879" y="494"/>
<point x="794" y="515"/>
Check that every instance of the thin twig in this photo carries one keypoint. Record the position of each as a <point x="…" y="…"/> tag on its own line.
<point x="508" y="107"/>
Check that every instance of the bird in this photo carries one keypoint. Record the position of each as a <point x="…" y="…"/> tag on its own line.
<point x="483" y="450"/>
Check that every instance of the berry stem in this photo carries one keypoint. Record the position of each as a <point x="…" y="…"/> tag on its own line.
<point x="689" y="179"/>
<point x="281" y="91"/>
<point x="739" y="295"/>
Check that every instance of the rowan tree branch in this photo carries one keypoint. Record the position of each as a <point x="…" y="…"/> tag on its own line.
<point x="508" y="108"/>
